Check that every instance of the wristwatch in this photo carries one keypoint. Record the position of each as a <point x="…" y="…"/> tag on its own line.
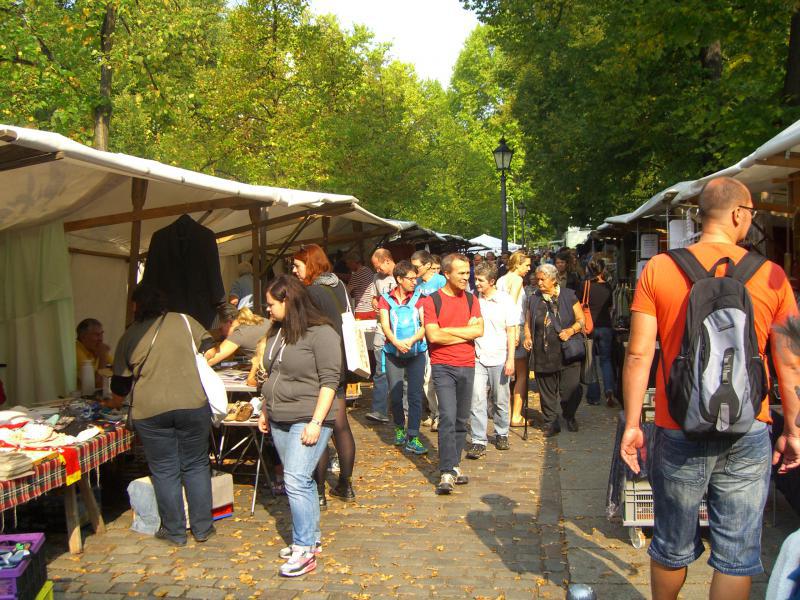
<point x="317" y="423"/>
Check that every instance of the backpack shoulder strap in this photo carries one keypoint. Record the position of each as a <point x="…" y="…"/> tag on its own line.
<point x="389" y="299"/>
<point x="688" y="263"/>
<point x="747" y="267"/>
<point x="415" y="297"/>
<point x="437" y="302"/>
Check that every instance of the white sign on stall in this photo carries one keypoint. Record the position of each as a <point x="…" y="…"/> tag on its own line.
<point x="648" y="245"/>
<point x="681" y="233"/>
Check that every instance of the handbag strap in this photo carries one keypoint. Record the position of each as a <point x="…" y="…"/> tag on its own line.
<point x="141" y="364"/>
<point x="191" y="335"/>
<point x="586" y="287"/>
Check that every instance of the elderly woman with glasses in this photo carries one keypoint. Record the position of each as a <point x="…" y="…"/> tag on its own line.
<point x="553" y="316"/>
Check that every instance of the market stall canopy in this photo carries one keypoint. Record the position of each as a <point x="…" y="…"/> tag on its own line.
<point x="767" y="169"/>
<point x="492" y="243"/>
<point x="45" y="176"/>
<point x="413" y="233"/>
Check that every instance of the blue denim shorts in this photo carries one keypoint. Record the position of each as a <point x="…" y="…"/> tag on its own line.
<point x="735" y="475"/>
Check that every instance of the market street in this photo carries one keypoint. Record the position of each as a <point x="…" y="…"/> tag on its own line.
<point x="531" y="520"/>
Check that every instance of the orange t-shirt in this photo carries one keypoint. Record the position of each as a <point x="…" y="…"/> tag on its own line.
<point x="662" y="292"/>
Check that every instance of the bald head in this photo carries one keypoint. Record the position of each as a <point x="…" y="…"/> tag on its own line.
<point x="720" y="196"/>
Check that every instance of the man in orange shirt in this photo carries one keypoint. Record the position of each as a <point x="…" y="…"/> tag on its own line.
<point x="733" y="471"/>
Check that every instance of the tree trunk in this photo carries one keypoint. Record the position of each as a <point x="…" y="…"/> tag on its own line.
<point x="102" y="112"/>
<point x="791" y="85"/>
<point x="711" y="59"/>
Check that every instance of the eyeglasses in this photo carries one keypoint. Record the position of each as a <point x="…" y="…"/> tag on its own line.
<point x="407" y="277"/>
<point x="753" y="211"/>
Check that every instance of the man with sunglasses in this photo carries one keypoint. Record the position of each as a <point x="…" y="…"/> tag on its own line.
<point x="734" y="471"/>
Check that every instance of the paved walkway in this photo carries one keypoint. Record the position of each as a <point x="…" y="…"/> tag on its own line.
<point x="530" y="521"/>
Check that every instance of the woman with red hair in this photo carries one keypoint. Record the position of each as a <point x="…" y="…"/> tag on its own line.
<point x="311" y="266"/>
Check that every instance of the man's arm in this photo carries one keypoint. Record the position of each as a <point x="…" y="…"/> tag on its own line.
<point x="635" y="373"/>
<point x="438" y="335"/>
<point x="468" y="333"/>
<point x="787" y="366"/>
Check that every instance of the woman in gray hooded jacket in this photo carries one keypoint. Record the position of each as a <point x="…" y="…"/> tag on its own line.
<point x="303" y="364"/>
<point x="312" y="267"/>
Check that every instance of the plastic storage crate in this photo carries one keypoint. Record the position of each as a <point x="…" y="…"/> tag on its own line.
<point x="637" y="510"/>
<point x="25" y="581"/>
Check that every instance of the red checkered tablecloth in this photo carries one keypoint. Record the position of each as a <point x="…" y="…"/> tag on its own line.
<point x="50" y="474"/>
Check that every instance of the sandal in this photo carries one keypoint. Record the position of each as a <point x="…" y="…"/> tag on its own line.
<point x="231" y="414"/>
<point x="244" y="412"/>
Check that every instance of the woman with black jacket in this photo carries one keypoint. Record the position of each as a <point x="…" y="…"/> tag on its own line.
<point x="553" y="316"/>
<point x="311" y="266"/>
<point x="303" y="360"/>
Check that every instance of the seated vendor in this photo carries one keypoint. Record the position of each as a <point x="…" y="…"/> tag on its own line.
<point x="241" y="295"/>
<point x="244" y="334"/>
<point x="90" y="346"/>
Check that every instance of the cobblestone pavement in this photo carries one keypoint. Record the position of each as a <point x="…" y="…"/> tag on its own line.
<point x="530" y="521"/>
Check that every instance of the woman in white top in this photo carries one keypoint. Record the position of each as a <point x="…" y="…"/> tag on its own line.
<point x="512" y="283"/>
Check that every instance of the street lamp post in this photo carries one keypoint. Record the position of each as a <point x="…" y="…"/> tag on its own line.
<point x="502" y="160"/>
<point x="522" y="209"/>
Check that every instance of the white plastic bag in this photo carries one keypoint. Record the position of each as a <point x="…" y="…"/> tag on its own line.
<point x="212" y="383"/>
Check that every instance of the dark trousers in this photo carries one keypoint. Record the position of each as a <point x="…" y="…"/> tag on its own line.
<point x="454" y="392"/>
<point x="176" y="447"/>
<point x="563" y="385"/>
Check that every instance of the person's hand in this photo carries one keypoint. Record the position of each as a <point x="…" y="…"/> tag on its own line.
<point x="565" y="334"/>
<point x="472" y="321"/>
<point x="787" y="453"/>
<point x="263" y="422"/>
<point x="632" y="440"/>
<point x="403" y="346"/>
<point x="310" y="434"/>
<point x="103" y="350"/>
<point x="527" y="344"/>
<point x="509" y="368"/>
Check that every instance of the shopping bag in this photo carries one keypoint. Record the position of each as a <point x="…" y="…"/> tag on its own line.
<point x="212" y="384"/>
<point x="355" y="346"/>
<point x="587" y="372"/>
<point x="588" y="323"/>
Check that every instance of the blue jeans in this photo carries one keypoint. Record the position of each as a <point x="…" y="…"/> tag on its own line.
<point x="603" y="338"/>
<point x="176" y="447"/>
<point x="454" y="392"/>
<point x="398" y="368"/>
<point x="380" y="388"/>
<point x="495" y="381"/>
<point x="299" y="462"/>
<point x="734" y="473"/>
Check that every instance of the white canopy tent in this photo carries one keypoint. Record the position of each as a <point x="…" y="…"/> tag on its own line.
<point x="492" y="243"/>
<point x="106" y="207"/>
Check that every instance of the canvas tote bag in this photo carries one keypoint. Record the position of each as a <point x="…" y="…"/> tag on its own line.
<point x="212" y="384"/>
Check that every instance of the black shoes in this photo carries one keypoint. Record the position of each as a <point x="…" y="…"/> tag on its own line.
<point x="162" y="534"/>
<point x="475" y="451"/>
<point x="323" y="501"/>
<point x="344" y="490"/>
<point x="204" y="538"/>
<point x="610" y="400"/>
<point x="501" y="442"/>
<point x="572" y="425"/>
<point x="553" y="429"/>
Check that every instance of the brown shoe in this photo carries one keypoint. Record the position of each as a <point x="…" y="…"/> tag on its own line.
<point x="610" y="400"/>
<point x="244" y="412"/>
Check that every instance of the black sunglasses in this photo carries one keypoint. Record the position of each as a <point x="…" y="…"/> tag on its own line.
<point x="753" y="210"/>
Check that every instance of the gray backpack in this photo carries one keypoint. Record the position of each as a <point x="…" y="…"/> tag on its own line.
<point x="717" y="381"/>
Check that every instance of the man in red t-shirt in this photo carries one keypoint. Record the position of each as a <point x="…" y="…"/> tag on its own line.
<point x="733" y="471"/>
<point x="451" y="330"/>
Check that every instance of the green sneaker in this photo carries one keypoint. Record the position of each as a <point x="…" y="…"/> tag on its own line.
<point x="415" y="446"/>
<point x="399" y="436"/>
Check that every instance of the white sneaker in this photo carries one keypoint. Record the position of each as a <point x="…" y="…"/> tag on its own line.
<point x="286" y="553"/>
<point x="445" y="484"/>
<point x="435" y="424"/>
<point x="300" y="562"/>
<point x="461" y="479"/>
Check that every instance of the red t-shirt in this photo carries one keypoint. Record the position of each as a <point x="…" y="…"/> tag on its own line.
<point x="662" y="291"/>
<point x="455" y="313"/>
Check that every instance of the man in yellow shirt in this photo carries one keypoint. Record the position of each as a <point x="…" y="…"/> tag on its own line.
<point x="90" y="346"/>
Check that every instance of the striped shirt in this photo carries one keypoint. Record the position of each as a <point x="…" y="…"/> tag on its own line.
<point x="361" y="289"/>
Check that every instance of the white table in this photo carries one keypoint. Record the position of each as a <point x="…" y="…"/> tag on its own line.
<point x="236" y="381"/>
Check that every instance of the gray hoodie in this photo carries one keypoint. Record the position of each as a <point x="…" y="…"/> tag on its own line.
<point x="330" y="296"/>
<point x="298" y="371"/>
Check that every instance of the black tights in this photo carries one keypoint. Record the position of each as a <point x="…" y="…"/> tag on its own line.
<point x="344" y="442"/>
